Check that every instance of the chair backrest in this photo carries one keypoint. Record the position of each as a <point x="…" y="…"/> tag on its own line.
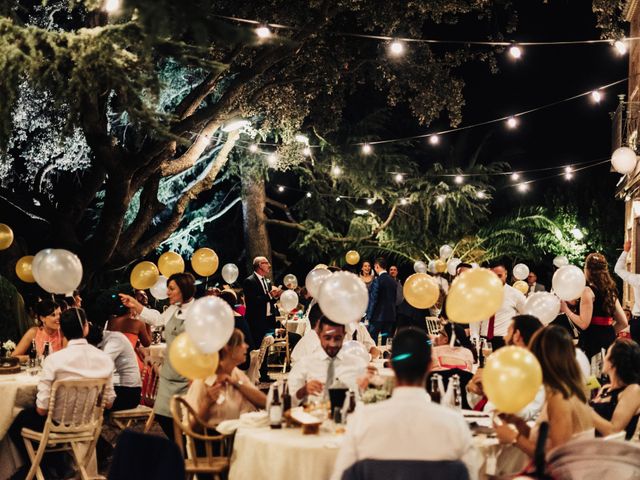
<point x="370" y="469"/>
<point x="76" y="405"/>
<point x="257" y="359"/>
<point x="149" y="385"/>
<point x="433" y="325"/>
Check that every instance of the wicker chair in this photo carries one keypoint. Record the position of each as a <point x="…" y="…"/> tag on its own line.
<point x="75" y="417"/>
<point x="216" y="449"/>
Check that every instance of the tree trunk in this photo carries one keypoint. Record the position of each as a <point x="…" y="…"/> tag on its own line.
<point x="254" y="201"/>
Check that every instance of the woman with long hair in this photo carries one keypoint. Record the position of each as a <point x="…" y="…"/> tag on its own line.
<point x="565" y="407"/>
<point x="600" y="315"/>
<point x="47" y="330"/>
<point x="366" y="274"/>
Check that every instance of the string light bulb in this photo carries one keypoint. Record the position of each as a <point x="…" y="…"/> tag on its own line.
<point x="308" y="194"/>
<point x="440" y="199"/>
<point x="367" y="149"/>
<point x="596" y="96"/>
<point x="337" y="199"/>
<point x="515" y="176"/>
<point x="396" y="48"/>
<point x="481" y="195"/>
<point x="263" y="32"/>
<point x="568" y="173"/>
<point x="620" y="46"/>
<point x="272" y="160"/>
<point x="370" y="201"/>
<point x="404" y="201"/>
<point x="434" y="139"/>
<point x="523" y="187"/>
<point x="306" y="151"/>
<point x="253" y="148"/>
<point x="336" y="171"/>
<point x="512" y="122"/>
<point x="112" y="6"/>
<point x="515" y="52"/>
<point x="281" y="189"/>
<point x="459" y="179"/>
<point x="399" y="177"/>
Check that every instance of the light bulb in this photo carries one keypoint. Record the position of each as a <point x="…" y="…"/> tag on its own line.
<point x="396" y="48"/>
<point x="306" y="151"/>
<point x="399" y="177"/>
<point x="336" y="170"/>
<point x="459" y="179"/>
<point x="111" y="6"/>
<point x="620" y="46"/>
<point x="481" y="195"/>
<point x="568" y="169"/>
<point x="281" y="189"/>
<point x="263" y="32"/>
<point x="308" y="194"/>
<point x="361" y="211"/>
<point x="596" y="96"/>
<point x="404" y="201"/>
<point x="515" y="52"/>
<point x="434" y="139"/>
<point x="515" y="176"/>
<point x="370" y="201"/>
<point x="253" y="148"/>
<point x="568" y="176"/>
<point x="512" y="122"/>
<point x="367" y="149"/>
<point x="302" y="139"/>
<point x="523" y="187"/>
<point x="272" y="160"/>
<point x="337" y="199"/>
<point x="440" y="199"/>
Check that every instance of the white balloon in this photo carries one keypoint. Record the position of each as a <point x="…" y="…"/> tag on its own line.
<point x="624" y="160"/>
<point x="420" y="267"/>
<point x="445" y="251"/>
<point x="209" y="324"/>
<point x="568" y="282"/>
<point x="431" y="268"/>
<point x="290" y="281"/>
<point x="474" y="265"/>
<point x="520" y="271"/>
<point x="59" y="271"/>
<point x="452" y="265"/>
<point x="35" y="264"/>
<point x="288" y="300"/>
<point x="314" y="279"/>
<point x="560" y="261"/>
<point x="343" y="298"/>
<point x="544" y="306"/>
<point x="230" y="273"/>
<point x="159" y="290"/>
<point x="353" y="348"/>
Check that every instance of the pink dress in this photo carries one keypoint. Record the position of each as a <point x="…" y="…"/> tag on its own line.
<point x="42" y="337"/>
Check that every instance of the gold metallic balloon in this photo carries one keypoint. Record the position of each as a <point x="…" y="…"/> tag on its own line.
<point x="6" y="236"/>
<point x="421" y="290"/>
<point x="441" y="266"/>
<point x="23" y="269"/>
<point x="144" y="275"/>
<point x="189" y="361"/>
<point x="170" y="263"/>
<point x="204" y="262"/>
<point x="475" y="295"/>
<point x="352" y="257"/>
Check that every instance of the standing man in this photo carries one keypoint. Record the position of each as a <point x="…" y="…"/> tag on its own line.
<point x="381" y="311"/>
<point x="393" y="273"/>
<point x="632" y="279"/>
<point x="534" y="286"/>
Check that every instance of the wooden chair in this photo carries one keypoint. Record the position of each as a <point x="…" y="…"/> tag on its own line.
<point x="258" y="358"/>
<point x="216" y="449"/>
<point x="74" y="418"/>
<point x="280" y="347"/>
<point x="126" y="418"/>
<point x="150" y="379"/>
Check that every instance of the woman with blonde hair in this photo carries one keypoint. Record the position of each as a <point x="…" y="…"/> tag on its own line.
<point x="600" y="315"/>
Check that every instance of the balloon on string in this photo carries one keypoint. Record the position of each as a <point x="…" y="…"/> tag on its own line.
<point x="159" y="289"/>
<point x="288" y="300"/>
<point x="6" y="236"/>
<point x="37" y="259"/>
<point x="441" y="266"/>
<point x="445" y="252"/>
<point x="343" y="298"/>
<point x="511" y="378"/>
<point x="321" y="266"/>
<point x="520" y="271"/>
<point x="568" y="282"/>
<point x="23" y="269"/>
<point x="230" y="273"/>
<point x="475" y="265"/>
<point x="352" y="257"/>
<point x="560" y="261"/>
<point x="431" y="268"/>
<point x="354" y="349"/>
<point x="188" y="361"/>
<point x="170" y="263"/>
<point x="521" y="286"/>
<point x="144" y="275"/>
<point x="452" y="265"/>
<point x="290" y="281"/>
<point x="475" y="295"/>
<point x="624" y="160"/>
<point x="314" y="279"/>
<point x="209" y="323"/>
<point x="420" y="267"/>
<point x="544" y="306"/>
<point x="204" y="262"/>
<point x="420" y="290"/>
<point x="59" y="271"/>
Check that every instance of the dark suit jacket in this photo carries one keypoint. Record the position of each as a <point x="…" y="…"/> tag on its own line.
<point x="385" y="308"/>
<point x="256" y="301"/>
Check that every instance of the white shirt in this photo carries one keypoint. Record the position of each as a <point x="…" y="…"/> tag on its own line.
<point x="77" y="361"/>
<point x="119" y="348"/>
<point x="160" y="319"/>
<point x="632" y="279"/>
<point x="315" y="367"/>
<point x="263" y="283"/>
<point x="512" y="305"/>
<point x="363" y="336"/>
<point x="528" y="413"/>
<point x="308" y="344"/>
<point x="408" y="426"/>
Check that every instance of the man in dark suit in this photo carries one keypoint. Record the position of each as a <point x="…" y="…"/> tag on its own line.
<point x="381" y="311"/>
<point x="534" y="286"/>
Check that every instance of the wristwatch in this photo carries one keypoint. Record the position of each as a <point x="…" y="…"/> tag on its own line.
<point x="238" y="384"/>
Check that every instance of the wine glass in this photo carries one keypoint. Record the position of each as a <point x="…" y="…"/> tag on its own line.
<point x="487" y="348"/>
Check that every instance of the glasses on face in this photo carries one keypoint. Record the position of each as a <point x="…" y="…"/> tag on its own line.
<point x="265" y="263"/>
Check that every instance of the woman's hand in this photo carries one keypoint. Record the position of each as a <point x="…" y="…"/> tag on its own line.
<point x="517" y="422"/>
<point x="224" y="379"/>
<point x="564" y="308"/>
<point x="214" y="391"/>
<point x="506" y="433"/>
<point x="130" y="302"/>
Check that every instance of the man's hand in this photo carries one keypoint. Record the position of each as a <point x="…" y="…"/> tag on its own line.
<point x="627" y="246"/>
<point x="275" y="292"/>
<point x="313" y="387"/>
<point x="475" y="384"/>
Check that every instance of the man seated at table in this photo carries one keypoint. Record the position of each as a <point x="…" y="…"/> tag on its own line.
<point x="408" y="426"/>
<point x="313" y="374"/>
<point x="78" y="360"/>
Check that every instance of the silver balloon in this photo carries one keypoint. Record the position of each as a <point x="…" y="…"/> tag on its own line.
<point x="288" y="300"/>
<point x="209" y="324"/>
<point x="353" y="348"/>
<point x="420" y="267"/>
<point x="290" y="281"/>
<point x="230" y="273"/>
<point x="159" y="290"/>
<point x="58" y="271"/>
<point x="38" y="259"/>
<point x="520" y="271"/>
<point x="568" y="282"/>
<point x="431" y="268"/>
<point x="544" y="306"/>
<point x="314" y="279"/>
<point x="343" y="298"/>
<point x="452" y="265"/>
<point x="445" y="252"/>
<point x="560" y="261"/>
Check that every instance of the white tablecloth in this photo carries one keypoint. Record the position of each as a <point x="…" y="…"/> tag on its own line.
<point x="263" y="453"/>
<point x="296" y="326"/>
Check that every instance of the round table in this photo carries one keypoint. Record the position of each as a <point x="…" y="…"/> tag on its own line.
<point x="296" y="326"/>
<point x="263" y="453"/>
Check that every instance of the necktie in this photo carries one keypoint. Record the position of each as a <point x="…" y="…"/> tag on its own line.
<point x="330" y="375"/>
<point x="264" y="285"/>
<point x="490" y="328"/>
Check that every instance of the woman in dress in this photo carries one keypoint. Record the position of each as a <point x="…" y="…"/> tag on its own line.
<point x="366" y="274"/>
<point x="181" y="289"/>
<point x="47" y="331"/>
<point x="600" y="315"/>
<point x="134" y="329"/>
<point x="617" y="406"/>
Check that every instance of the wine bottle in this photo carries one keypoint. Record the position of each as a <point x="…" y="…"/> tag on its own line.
<point x="33" y="354"/>
<point x="434" y="389"/>
<point x="286" y="397"/>
<point x="275" y="411"/>
<point x="45" y="350"/>
<point x="457" y="394"/>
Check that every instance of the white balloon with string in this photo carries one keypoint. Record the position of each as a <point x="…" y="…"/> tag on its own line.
<point x="314" y="280"/>
<point x="354" y="349"/>
<point x="445" y="252"/>
<point x="59" y="271"/>
<point x="568" y="282"/>
<point x="560" y="261"/>
<point x="159" y="289"/>
<point x="544" y="306"/>
<point x="209" y="323"/>
<point x="288" y="300"/>
<point x="452" y="265"/>
<point x="420" y="267"/>
<point x="343" y="298"/>
<point x="520" y="271"/>
<point x="290" y="281"/>
<point x="230" y="273"/>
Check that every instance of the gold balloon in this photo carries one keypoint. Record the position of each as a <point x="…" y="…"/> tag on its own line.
<point x="189" y="361"/>
<point x="170" y="263"/>
<point x="421" y="290"/>
<point x="475" y="295"/>
<point x="6" y="236"/>
<point x="23" y="269"/>
<point x="352" y="257"/>
<point x="511" y="378"/>
<point x="321" y="265"/>
<point x="204" y="262"/>
<point x="441" y="266"/>
<point x="521" y="286"/>
<point x="144" y="275"/>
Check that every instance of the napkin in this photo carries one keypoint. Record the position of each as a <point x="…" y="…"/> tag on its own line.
<point x="246" y="420"/>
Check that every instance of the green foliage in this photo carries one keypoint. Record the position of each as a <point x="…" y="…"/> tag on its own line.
<point x="610" y="18"/>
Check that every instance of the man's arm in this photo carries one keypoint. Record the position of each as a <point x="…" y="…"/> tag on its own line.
<point x="373" y="298"/>
<point x="621" y="268"/>
<point x="47" y="377"/>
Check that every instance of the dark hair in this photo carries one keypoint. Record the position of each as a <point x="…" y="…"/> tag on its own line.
<point x="598" y="277"/>
<point x="325" y="321"/>
<point x="44" y="308"/>
<point x="94" y="337"/>
<point x="499" y="264"/>
<point x="72" y="323"/>
<point x="553" y="347"/>
<point x="186" y="283"/>
<point x="229" y="297"/>
<point x="411" y="354"/>
<point x="527" y="325"/>
<point x="625" y="357"/>
<point x="382" y="262"/>
<point x="334" y="268"/>
<point x="315" y="314"/>
<point x="463" y="265"/>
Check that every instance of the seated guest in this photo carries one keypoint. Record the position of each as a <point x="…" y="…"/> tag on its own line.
<point x="126" y="374"/>
<point x="129" y="324"/>
<point x="359" y="333"/>
<point x="446" y="357"/>
<point x="240" y="322"/>
<point x="78" y="360"/>
<point x="46" y="331"/>
<point x="309" y="341"/>
<point x="419" y="429"/>
<point x="313" y="374"/>
<point x="565" y="407"/>
<point x="228" y="393"/>
<point x="617" y="406"/>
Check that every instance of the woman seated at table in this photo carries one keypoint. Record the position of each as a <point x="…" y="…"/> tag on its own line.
<point x="565" y="407"/>
<point x="229" y="392"/>
<point x="446" y="357"/>
<point x="617" y="406"/>
<point x="47" y="331"/>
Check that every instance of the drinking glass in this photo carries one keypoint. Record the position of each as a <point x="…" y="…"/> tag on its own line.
<point x="487" y="348"/>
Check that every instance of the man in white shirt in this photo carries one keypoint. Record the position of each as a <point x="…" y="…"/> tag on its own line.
<point x="632" y="279"/>
<point x="495" y="328"/>
<point x="309" y="341"/>
<point x="313" y="374"/>
<point x="408" y="426"/>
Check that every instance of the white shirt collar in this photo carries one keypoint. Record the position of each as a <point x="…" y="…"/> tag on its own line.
<point x="411" y="393"/>
<point x="320" y="354"/>
<point x="77" y="341"/>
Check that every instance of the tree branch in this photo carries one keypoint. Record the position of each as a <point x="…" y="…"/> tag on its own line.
<point x="282" y="207"/>
<point x="189" y="158"/>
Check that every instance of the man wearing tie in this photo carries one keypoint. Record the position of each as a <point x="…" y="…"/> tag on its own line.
<point x="534" y="286"/>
